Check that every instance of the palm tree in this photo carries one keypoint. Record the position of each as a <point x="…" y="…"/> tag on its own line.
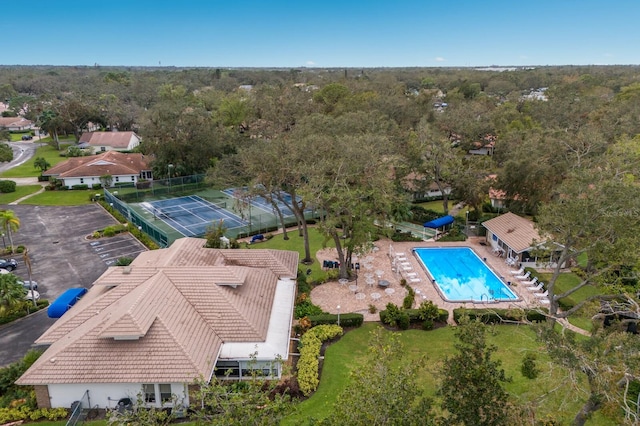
<point x="10" y="223"/>
<point x="11" y="293"/>
<point x="51" y="122"/>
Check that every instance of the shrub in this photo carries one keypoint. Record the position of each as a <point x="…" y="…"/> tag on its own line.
<point x="407" y="302"/>
<point x="427" y="325"/>
<point x="386" y="317"/>
<point x="428" y="311"/>
<point x="96" y="186"/>
<point x="80" y="186"/>
<point x="310" y="344"/>
<point x="528" y="367"/>
<point x="7" y="186"/>
<point x="306" y="308"/>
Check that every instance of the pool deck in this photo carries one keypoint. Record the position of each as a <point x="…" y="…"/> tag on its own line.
<point x="332" y="294"/>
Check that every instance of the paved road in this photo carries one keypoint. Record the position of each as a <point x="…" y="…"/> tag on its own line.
<point x="22" y="152"/>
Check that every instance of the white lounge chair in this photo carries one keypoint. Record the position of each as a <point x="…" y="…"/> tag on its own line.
<point x="531" y="283"/>
<point x="536" y="288"/>
<point x="544" y="300"/>
<point x="518" y="272"/>
<point x="524" y="277"/>
<point x="544" y="295"/>
<point x="414" y="280"/>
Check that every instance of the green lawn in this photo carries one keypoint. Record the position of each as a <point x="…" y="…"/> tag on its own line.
<point x="546" y="393"/>
<point x="61" y="198"/>
<point x="21" y="191"/>
<point x="436" y="205"/>
<point x="26" y="169"/>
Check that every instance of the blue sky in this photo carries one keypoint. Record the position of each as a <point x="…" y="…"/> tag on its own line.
<point x="275" y="33"/>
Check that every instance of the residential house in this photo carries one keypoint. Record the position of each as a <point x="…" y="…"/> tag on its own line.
<point x="173" y="316"/>
<point x="122" y="167"/>
<point x="110" y="141"/>
<point x="419" y="189"/>
<point x="512" y="236"/>
<point x="16" y="124"/>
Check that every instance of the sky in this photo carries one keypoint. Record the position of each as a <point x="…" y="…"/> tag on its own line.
<point x="324" y="34"/>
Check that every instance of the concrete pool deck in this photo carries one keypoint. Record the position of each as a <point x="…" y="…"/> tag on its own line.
<point x="332" y="294"/>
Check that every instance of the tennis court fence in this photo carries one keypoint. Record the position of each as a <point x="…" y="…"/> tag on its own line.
<point x="157" y="235"/>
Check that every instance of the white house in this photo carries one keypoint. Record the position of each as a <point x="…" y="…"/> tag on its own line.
<point x="16" y="123"/>
<point x="512" y="236"/>
<point x="173" y="316"/>
<point x="122" y="167"/>
<point x="110" y="141"/>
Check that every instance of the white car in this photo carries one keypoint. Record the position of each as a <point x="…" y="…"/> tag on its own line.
<point x="28" y="285"/>
<point x="32" y="295"/>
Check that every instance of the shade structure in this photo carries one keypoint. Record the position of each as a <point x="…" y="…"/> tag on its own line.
<point x="65" y="301"/>
<point x="439" y="222"/>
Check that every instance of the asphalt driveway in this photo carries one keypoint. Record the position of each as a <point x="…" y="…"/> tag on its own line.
<point x="61" y="257"/>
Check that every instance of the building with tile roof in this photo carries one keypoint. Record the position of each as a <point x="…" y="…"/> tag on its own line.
<point x="16" y="123"/>
<point x="109" y="141"/>
<point x="512" y="236"/>
<point x="122" y="167"/>
<point x="173" y="316"/>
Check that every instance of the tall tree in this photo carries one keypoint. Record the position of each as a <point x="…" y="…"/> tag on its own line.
<point x="593" y="215"/>
<point x="471" y="382"/>
<point x="433" y="160"/>
<point x="10" y="223"/>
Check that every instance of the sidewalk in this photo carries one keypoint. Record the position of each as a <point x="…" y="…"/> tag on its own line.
<point x="27" y="181"/>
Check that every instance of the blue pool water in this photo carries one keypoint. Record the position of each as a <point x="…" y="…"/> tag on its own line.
<point x="462" y="276"/>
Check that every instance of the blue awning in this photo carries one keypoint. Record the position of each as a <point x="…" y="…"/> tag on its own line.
<point x="65" y="301"/>
<point x="439" y="222"/>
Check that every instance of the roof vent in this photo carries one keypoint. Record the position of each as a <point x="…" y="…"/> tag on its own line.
<point x="126" y="270"/>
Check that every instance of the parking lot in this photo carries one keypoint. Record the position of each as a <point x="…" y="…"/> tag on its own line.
<point x="61" y="257"/>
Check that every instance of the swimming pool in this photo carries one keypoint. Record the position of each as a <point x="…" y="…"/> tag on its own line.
<point x="461" y="276"/>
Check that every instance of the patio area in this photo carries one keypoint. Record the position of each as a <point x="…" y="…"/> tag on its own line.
<point x="390" y="261"/>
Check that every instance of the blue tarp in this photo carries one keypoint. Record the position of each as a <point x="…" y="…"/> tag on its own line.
<point x="65" y="301"/>
<point x="439" y="222"/>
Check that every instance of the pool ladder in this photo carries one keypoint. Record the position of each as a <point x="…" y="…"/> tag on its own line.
<point x="485" y="295"/>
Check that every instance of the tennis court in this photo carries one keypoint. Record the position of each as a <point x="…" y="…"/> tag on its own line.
<point x="192" y="215"/>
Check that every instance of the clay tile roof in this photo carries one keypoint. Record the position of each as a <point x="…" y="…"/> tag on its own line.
<point x="109" y="163"/>
<point x="517" y="232"/>
<point x="14" y="121"/>
<point x="155" y="321"/>
<point x="112" y="139"/>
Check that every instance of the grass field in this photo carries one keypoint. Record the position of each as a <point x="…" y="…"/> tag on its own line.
<point x="545" y="394"/>
<point x="26" y="169"/>
<point x="61" y="198"/>
<point x="20" y="192"/>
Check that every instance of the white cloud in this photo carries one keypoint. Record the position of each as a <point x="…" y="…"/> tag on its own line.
<point x="310" y="63"/>
<point x="440" y="59"/>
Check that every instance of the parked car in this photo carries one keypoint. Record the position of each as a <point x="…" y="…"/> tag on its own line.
<point x="32" y="295"/>
<point x="8" y="264"/>
<point x="27" y="137"/>
<point x="27" y="285"/>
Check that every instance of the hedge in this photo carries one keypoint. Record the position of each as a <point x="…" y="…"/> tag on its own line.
<point x="308" y="363"/>
<point x="443" y="315"/>
<point x="346" y="320"/>
<point x="80" y="186"/>
<point x="491" y="316"/>
<point x="24" y="310"/>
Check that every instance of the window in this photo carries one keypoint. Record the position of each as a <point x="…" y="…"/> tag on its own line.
<point x="133" y="178"/>
<point x="117" y="178"/>
<point x="103" y="149"/>
<point x="81" y="180"/>
<point x="228" y="369"/>
<point x="149" y="391"/>
<point x="165" y="392"/>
